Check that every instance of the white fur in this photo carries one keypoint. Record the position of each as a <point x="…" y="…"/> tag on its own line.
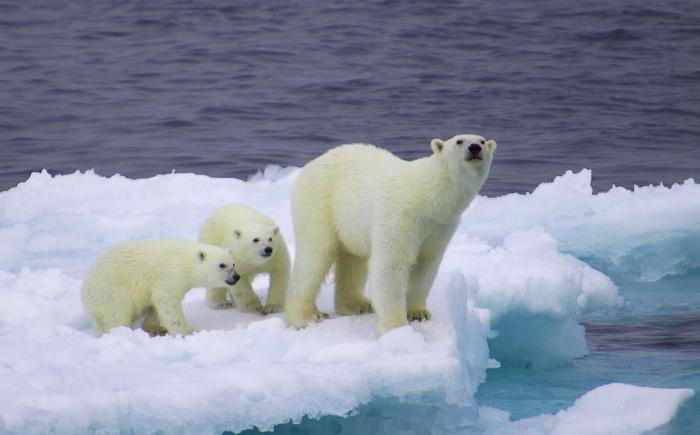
<point x="362" y="208"/>
<point x="237" y="227"/>
<point x="150" y="278"/>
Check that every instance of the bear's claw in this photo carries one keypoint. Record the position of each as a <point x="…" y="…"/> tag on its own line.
<point x="269" y="309"/>
<point x="361" y="306"/>
<point x="156" y="332"/>
<point x="418" y="314"/>
<point x="221" y="305"/>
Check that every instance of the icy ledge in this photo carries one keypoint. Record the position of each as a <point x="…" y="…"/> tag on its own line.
<point x="504" y="281"/>
<point x="251" y="373"/>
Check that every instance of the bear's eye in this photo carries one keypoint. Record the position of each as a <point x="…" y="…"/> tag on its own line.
<point x="460" y="142"/>
<point x="483" y="142"/>
<point x="270" y="239"/>
<point x="256" y="240"/>
<point x="222" y="266"/>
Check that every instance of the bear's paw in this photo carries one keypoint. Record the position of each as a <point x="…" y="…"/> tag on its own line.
<point x="418" y="314"/>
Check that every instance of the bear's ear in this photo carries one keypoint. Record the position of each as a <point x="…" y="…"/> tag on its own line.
<point x="275" y="230"/>
<point x="201" y="256"/>
<point x="238" y="234"/>
<point x="436" y="145"/>
<point x="491" y="144"/>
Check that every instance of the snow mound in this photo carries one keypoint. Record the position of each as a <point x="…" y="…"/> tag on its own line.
<point x="645" y="233"/>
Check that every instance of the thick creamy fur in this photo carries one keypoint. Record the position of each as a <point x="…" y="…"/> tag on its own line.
<point x="150" y="278"/>
<point x="237" y="227"/>
<point x="369" y="212"/>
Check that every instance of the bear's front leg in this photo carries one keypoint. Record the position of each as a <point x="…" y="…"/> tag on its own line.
<point x="395" y="246"/>
<point x="389" y="281"/>
<point x="424" y="271"/>
<point x="168" y="306"/>
<point x="218" y="298"/>
<point x="244" y="296"/>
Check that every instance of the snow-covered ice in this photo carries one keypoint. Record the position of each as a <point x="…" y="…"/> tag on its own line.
<point x="606" y="410"/>
<point x="509" y="292"/>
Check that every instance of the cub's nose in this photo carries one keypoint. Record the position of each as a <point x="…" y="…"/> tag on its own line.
<point x="232" y="279"/>
<point x="268" y="250"/>
<point x="474" y="148"/>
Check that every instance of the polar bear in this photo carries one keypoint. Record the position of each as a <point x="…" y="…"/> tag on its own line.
<point x="150" y="278"/>
<point x="368" y="211"/>
<point x="257" y="247"/>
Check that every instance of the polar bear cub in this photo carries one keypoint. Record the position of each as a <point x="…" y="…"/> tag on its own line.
<point x="369" y="212"/>
<point x="150" y="278"/>
<point x="258" y="247"/>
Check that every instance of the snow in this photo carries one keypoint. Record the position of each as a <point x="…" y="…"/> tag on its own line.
<point x="509" y="290"/>
<point x="647" y="233"/>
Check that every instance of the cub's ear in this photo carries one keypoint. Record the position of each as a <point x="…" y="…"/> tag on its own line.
<point x="491" y="144"/>
<point x="238" y="234"/>
<point x="201" y="255"/>
<point x="436" y="145"/>
<point x="275" y="230"/>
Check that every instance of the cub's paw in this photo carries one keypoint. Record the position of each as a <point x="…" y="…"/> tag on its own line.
<point x="270" y="308"/>
<point x="359" y="306"/>
<point x="155" y="331"/>
<point x="418" y="314"/>
<point x="320" y="316"/>
<point x="220" y="305"/>
<point x="252" y="307"/>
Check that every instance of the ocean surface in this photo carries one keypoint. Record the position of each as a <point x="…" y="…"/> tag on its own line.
<point x="225" y="88"/>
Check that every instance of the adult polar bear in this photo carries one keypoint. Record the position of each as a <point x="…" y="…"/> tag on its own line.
<point x="362" y="208"/>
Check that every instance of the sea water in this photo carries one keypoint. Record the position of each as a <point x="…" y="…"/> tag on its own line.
<point x="225" y="89"/>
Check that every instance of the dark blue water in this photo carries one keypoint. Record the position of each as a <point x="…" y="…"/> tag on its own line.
<point x="224" y="88"/>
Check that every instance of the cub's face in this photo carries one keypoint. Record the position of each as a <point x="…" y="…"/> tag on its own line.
<point x="466" y="153"/>
<point x="255" y="244"/>
<point x="216" y="267"/>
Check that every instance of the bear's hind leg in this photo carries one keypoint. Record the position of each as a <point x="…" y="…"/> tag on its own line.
<point x="350" y="279"/>
<point x="168" y="306"/>
<point x="151" y="323"/>
<point x="108" y="311"/>
<point x="311" y="266"/>
<point x="111" y="320"/>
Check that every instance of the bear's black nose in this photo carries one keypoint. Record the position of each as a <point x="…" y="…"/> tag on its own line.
<point x="474" y="148"/>
<point x="232" y="280"/>
<point x="268" y="250"/>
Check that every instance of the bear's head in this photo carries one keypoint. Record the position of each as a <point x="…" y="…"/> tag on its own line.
<point x="215" y="267"/>
<point x="255" y="243"/>
<point x="468" y="155"/>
